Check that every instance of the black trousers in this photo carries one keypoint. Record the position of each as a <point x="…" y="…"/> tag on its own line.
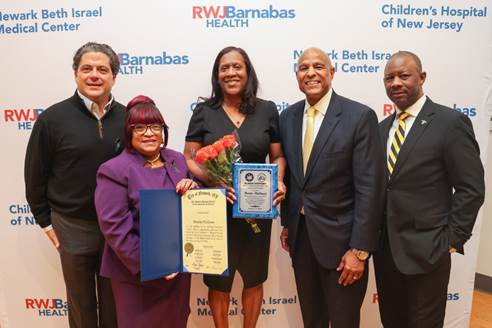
<point x="322" y="299"/>
<point x="409" y="301"/>
<point x="81" y="247"/>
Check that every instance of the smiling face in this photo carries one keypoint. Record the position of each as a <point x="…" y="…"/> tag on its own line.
<point x="403" y="81"/>
<point x="149" y="142"/>
<point x="94" y="77"/>
<point x="314" y="74"/>
<point x="232" y="74"/>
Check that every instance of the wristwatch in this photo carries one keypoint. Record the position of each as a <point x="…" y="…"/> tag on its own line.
<point x="360" y="254"/>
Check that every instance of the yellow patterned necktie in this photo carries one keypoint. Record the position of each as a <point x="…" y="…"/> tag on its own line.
<point x="308" y="136"/>
<point x="398" y="140"/>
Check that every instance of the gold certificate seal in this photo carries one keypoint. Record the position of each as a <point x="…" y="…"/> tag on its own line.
<point x="188" y="247"/>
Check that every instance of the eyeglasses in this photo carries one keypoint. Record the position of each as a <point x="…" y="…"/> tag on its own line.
<point x="142" y="128"/>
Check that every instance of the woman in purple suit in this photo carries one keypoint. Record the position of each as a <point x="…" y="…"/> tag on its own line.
<point x="145" y="163"/>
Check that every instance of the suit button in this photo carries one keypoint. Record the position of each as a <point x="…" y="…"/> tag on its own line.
<point x="388" y="189"/>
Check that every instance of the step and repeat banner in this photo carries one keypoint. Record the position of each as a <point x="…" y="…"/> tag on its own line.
<point x="166" y="49"/>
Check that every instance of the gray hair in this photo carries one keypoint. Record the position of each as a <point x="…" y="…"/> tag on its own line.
<point x="114" y="61"/>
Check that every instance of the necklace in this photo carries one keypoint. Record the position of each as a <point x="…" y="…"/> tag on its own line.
<point x="234" y="117"/>
<point x="151" y="162"/>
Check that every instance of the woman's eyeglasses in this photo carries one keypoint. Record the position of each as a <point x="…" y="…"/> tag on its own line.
<point x="142" y="128"/>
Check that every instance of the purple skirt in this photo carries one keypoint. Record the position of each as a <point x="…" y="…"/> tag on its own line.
<point x="158" y="303"/>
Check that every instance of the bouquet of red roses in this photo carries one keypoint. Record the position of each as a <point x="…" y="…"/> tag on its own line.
<point x="217" y="160"/>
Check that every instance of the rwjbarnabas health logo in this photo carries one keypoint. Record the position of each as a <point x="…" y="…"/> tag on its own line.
<point x="22" y="118"/>
<point x="230" y="16"/>
<point x="47" y="307"/>
<point x="133" y="64"/>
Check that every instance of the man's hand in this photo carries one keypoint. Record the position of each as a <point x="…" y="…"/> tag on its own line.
<point x="352" y="268"/>
<point x="53" y="238"/>
<point x="284" y="239"/>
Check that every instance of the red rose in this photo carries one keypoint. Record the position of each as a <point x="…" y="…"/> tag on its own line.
<point x="229" y="141"/>
<point x="218" y="146"/>
<point x="201" y="156"/>
<point x="211" y="152"/>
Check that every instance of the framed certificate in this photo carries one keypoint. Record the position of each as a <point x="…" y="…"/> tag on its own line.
<point x="183" y="233"/>
<point x="255" y="185"/>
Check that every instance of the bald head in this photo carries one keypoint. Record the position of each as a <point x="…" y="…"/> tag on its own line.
<point x="413" y="57"/>
<point x="317" y="51"/>
<point x="314" y="74"/>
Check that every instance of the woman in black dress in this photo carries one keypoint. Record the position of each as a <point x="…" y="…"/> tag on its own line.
<point x="233" y="105"/>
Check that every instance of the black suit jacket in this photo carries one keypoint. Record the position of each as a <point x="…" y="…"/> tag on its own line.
<point x="436" y="189"/>
<point x="343" y="190"/>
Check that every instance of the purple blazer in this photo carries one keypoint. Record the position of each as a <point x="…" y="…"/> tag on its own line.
<point x="117" y="200"/>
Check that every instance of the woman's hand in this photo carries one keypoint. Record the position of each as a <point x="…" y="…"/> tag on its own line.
<point x="171" y="276"/>
<point x="230" y="193"/>
<point x="184" y="185"/>
<point x="280" y="194"/>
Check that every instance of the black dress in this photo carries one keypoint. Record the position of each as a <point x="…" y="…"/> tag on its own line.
<point x="248" y="252"/>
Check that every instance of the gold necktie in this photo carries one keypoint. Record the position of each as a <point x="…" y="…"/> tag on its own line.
<point x="397" y="142"/>
<point x="308" y="136"/>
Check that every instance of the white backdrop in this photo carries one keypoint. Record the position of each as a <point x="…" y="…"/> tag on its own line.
<point x="168" y="49"/>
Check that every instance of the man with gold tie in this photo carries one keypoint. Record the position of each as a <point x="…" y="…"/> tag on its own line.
<point x="435" y="187"/>
<point x="333" y="209"/>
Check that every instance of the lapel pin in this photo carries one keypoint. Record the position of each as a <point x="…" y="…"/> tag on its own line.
<point x="174" y="167"/>
<point x="423" y="122"/>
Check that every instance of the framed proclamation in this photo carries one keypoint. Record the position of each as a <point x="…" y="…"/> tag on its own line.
<point x="185" y="233"/>
<point x="255" y="185"/>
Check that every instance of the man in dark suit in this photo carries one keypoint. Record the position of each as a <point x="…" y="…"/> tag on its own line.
<point x="434" y="190"/>
<point x="333" y="207"/>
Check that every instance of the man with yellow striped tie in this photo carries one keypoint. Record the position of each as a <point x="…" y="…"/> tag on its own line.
<point x="435" y="187"/>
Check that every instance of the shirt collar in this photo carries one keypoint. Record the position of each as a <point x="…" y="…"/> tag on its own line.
<point x="322" y="104"/>
<point x="414" y="109"/>
<point x="88" y="103"/>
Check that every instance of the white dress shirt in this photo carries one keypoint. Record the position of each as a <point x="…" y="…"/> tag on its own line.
<point x="89" y="104"/>
<point x="413" y="110"/>
<point x="321" y="107"/>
